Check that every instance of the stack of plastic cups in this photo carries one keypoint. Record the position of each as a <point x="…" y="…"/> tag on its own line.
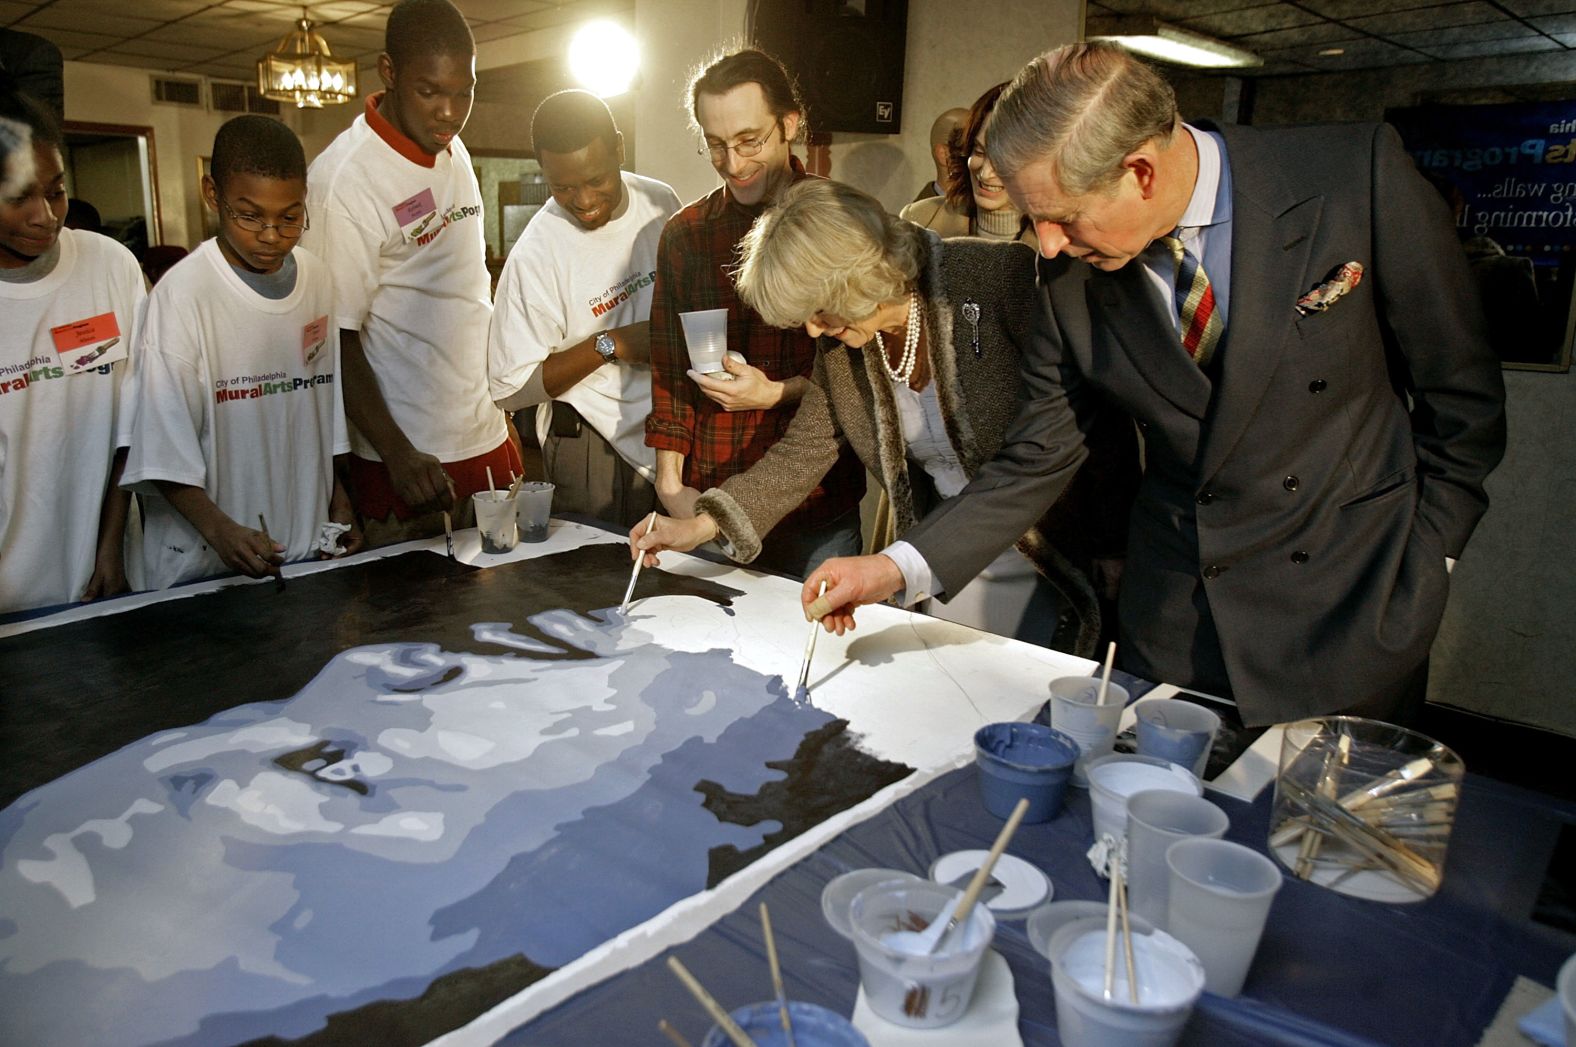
<point x="1169" y="983"/>
<point x="1156" y="819"/>
<point x="1220" y="896"/>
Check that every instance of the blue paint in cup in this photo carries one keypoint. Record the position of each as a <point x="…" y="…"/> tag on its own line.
<point x="1023" y="760"/>
<point x="813" y="1026"/>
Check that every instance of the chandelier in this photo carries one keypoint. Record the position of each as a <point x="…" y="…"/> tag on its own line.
<point x="304" y="71"/>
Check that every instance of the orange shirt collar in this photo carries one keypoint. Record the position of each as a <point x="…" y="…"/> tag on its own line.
<point x="397" y="139"/>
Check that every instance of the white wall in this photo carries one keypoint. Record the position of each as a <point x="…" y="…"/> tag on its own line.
<point x="113" y="94"/>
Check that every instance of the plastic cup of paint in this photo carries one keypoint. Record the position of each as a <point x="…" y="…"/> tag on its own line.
<point x="1177" y="731"/>
<point x="1075" y="713"/>
<point x="1169" y="979"/>
<point x="813" y="1026"/>
<point x="1112" y="779"/>
<point x="495" y="520"/>
<point x="1565" y="985"/>
<point x="1156" y="819"/>
<point x="915" y="991"/>
<point x="1220" y="895"/>
<point x="1023" y="761"/>
<point x="706" y="336"/>
<point x="534" y="504"/>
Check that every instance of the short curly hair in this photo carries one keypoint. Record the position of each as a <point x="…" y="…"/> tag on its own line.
<point x="826" y="247"/>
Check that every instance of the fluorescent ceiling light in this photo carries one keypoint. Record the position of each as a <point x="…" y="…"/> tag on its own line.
<point x="1168" y="43"/>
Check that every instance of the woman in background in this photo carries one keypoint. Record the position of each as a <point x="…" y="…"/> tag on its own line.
<point x="976" y="202"/>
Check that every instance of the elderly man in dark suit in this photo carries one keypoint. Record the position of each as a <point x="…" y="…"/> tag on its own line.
<point x="1289" y="317"/>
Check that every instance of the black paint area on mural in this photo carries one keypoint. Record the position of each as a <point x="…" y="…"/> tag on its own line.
<point x="828" y="774"/>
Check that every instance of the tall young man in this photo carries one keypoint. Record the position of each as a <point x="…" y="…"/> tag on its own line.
<point x="569" y="330"/>
<point x="397" y="215"/>
<point x="704" y="429"/>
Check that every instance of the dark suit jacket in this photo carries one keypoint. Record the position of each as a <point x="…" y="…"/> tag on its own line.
<point x="1288" y="544"/>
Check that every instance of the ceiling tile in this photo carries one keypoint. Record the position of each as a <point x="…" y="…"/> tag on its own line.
<point x="1435" y="17"/>
<point x="1175" y="10"/>
<point x="1539" y="7"/>
<point x="166" y="51"/>
<point x="1429" y="39"/>
<point x="1487" y="48"/>
<point x="1565" y="23"/>
<point x="1361" y="54"/>
<point x="152" y="65"/>
<point x="58" y="17"/>
<point x="10" y="11"/>
<point x="495" y="31"/>
<point x="1260" y="19"/>
<point x="214" y="38"/>
<point x="1302" y="36"/>
<point x="1359" y="8"/>
<point x="76" y="40"/>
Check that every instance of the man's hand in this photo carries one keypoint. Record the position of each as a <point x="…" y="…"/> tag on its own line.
<point x="341" y="512"/>
<point x="109" y="576"/>
<point x="668" y="533"/>
<point x="748" y="390"/>
<point x="242" y="549"/>
<point x="420" y="480"/>
<point x="850" y="582"/>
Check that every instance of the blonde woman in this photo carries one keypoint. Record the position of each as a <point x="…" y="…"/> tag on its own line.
<point x="916" y="368"/>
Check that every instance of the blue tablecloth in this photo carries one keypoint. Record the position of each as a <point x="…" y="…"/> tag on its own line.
<point x="1330" y="969"/>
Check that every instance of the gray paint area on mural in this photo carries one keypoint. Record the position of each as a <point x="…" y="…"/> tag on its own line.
<point x="411" y="812"/>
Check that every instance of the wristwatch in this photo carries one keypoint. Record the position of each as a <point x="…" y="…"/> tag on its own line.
<point x="605" y="348"/>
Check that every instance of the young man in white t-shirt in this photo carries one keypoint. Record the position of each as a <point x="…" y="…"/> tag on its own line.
<point x="569" y="330"/>
<point x="397" y="215"/>
<point x="68" y="300"/>
<point x="237" y="413"/>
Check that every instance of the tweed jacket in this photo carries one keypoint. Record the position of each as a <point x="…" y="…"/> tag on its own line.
<point x="977" y="380"/>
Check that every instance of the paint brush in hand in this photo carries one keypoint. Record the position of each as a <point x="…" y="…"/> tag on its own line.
<point x="809" y="650"/>
<point x="279" y="579"/>
<point x="448" y="533"/>
<point x="777" y="975"/>
<point x="623" y="608"/>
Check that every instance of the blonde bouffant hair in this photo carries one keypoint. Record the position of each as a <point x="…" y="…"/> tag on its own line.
<point x="826" y="247"/>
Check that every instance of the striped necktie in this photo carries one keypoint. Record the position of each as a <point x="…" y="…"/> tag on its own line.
<point x="1199" y="321"/>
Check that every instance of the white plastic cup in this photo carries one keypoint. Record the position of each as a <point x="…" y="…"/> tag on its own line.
<point x="1170" y="981"/>
<point x="533" y="507"/>
<point x="1112" y="779"/>
<point x="1093" y="727"/>
<point x="1565" y="986"/>
<point x="919" y="992"/>
<point x="495" y="520"/>
<point x="1156" y="819"/>
<point x="706" y="335"/>
<point x="1220" y="898"/>
<point x="1177" y="731"/>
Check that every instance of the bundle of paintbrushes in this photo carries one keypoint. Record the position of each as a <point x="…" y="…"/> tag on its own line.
<point x="1364" y="807"/>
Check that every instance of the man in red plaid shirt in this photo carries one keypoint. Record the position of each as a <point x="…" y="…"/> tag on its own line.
<point x="707" y="429"/>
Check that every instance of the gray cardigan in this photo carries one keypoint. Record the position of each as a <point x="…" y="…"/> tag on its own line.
<point x="977" y="384"/>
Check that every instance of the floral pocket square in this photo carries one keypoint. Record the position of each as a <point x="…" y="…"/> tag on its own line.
<point x="1326" y="294"/>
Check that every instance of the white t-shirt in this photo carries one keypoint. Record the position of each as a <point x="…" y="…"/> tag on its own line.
<point x="57" y="428"/>
<point x="239" y="395"/>
<point x="564" y="283"/>
<point x="408" y="255"/>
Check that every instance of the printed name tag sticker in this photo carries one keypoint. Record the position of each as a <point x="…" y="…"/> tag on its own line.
<point x="416" y="215"/>
<point x="314" y="336"/>
<point x="90" y="343"/>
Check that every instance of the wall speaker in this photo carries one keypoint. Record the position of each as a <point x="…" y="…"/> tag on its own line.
<point x="847" y="56"/>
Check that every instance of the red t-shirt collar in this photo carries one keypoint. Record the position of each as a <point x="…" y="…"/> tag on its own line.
<point x="397" y="139"/>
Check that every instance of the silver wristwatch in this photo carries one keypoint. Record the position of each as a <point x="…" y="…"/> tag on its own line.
<point x="605" y="348"/>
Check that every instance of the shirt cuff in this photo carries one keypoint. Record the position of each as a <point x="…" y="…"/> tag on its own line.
<point x="919" y="581"/>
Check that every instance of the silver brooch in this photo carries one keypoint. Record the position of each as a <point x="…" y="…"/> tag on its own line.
<point x="971" y="313"/>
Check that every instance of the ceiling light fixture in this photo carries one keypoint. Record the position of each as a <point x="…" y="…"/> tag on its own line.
<point x="604" y="58"/>
<point x="1169" y="43"/>
<point x="303" y="70"/>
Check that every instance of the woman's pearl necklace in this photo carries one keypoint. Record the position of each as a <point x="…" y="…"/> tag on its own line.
<point x="905" y="367"/>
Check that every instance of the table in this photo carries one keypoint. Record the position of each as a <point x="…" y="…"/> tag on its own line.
<point x="1331" y="970"/>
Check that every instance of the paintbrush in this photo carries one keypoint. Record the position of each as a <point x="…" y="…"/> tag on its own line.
<point x="673" y="1034"/>
<point x="279" y="579"/>
<point x="1105" y="677"/>
<point x="623" y="608"/>
<point x="809" y="649"/>
<point x="730" y="1027"/>
<point x="448" y="533"/>
<point x="777" y="975"/>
